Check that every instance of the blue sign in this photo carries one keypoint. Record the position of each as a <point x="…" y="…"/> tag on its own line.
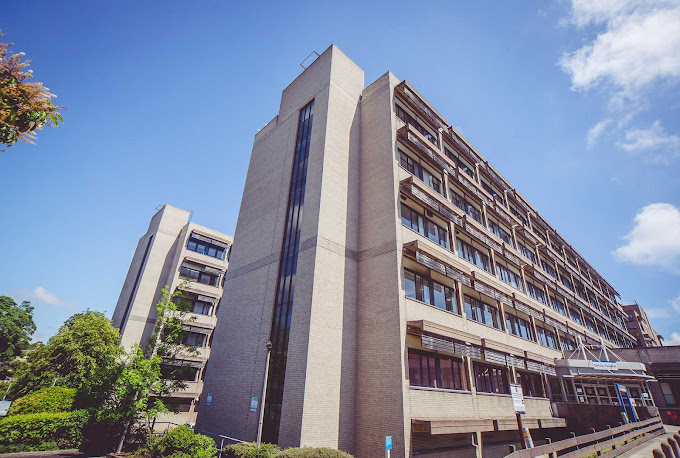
<point x="388" y="442"/>
<point x="208" y="399"/>
<point x="253" y="403"/>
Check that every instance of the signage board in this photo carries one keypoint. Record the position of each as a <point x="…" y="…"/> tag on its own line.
<point x="4" y="407"/>
<point x="517" y="398"/>
<point x="208" y="399"/>
<point x="388" y="442"/>
<point x="604" y="365"/>
<point x="253" y="403"/>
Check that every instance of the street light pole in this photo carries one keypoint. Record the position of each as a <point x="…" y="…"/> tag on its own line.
<point x="264" y="394"/>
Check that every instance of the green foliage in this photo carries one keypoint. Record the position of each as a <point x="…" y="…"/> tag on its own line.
<point x="181" y="442"/>
<point x="46" y="400"/>
<point x="16" y="328"/>
<point x="311" y="452"/>
<point x="84" y="351"/>
<point x="42" y="431"/>
<point x="248" y="450"/>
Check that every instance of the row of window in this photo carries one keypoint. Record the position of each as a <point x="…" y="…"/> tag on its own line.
<point x="430" y="292"/>
<point x="408" y="119"/>
<point x="424" y="226"/>
<point x="191" y="274"/>
<point x="208" y="249"/>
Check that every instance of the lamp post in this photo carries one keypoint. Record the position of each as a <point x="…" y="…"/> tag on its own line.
<point x="264" y="394"/>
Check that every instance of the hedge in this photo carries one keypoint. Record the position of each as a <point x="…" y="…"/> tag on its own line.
<point x="42" y="431"/>
<point x="180" y="442"/>
<point x="248" y="450"/>
<point x="311" y="452"/>
<point x="52" y="399"/>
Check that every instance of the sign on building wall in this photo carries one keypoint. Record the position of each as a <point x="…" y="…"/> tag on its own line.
<point x="517" y="398"/>
<point x="604" y="365"/>
<point x="253" y="403"/>
<point x="208" y="399"/>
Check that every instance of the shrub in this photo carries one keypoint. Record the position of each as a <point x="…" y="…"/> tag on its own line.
<point x="52" y="399"/>
<point x="181" y="442"/>
<point x="42" y="431"/>
<point x="248" y="450"/>
<point x="311" y="452"/>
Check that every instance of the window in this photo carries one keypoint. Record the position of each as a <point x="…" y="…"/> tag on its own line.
<point x="195" y="339"/>
<point x="430" y="292"/>
<point x="546" y="338"/>
<point x="590" y="324"/>
<point x="437" y="371"/>
<point x="196" y="275"/>
<point x="580" y="291"/>
<point x="536" y="292"/>
<point x="532" y="384"/>
<point x="518" y="327"/>
<point x="205" y="247"/>
<point x="508" y="276"/>
<point x="410" y="164"/>
<point x="667" y="393"/>
<point x="185" y="373"/>
<point x="481" y="312"/>
<point x="548" y="267"/>
<point x="414" y="220"/>
<point x="462" y="203"/>
<point x="558" y="306"/>
<point x="526" y="252"/>
<point x="459" y="163"/>
<point x="518" y="215"/>
<point x="566" y="280"/>
<point x="473" y="255"/>
<point x="487" y="187"/>
<point x="567" y="344"/>
<point x="491" y="379"/>
<point x="575" y="315"/>
<point x="501" y="233"/>
<point x="408" y="119"/>
<point x="202" y="308"/>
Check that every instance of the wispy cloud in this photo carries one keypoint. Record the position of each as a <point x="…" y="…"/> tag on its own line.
<point x="674" y="340"/>
<point x="636" y="46"/>
<point x="654" y="143"/>
<point x="42" y="295"/>
<point x="655" y="238"/>
<point x="657" y="313"/>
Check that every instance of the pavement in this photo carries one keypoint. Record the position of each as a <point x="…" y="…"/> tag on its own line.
<point x="645" y="450"/>
<point x="53" y="454"/>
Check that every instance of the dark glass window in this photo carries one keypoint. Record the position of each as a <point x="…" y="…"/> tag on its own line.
<point x="546" y="338"/>
<point x="501" y="233"/>
<point x="590" y="324"/>
<point x="459" y="163"/>
<point x="565" y="278"/>
<point x="519" y="215"/>
<point x="207" y="248"/>
<point x="573" y="313"/>
<point x="481" y="312"/>
<point x="536" y="292"/>
<point x="508" y="276"/>
<point x="473" y="255"/>
<point x="436" y="371"/>
<point x="526" y="252"/>
<point x="432" y="180"/>
<point x="285" y="289"/>
<point x="532" y="384"/>
<point x="487" y="187"/>
<point x="462" y="203"/>
<point x="429" y="291"/>
<point x="491" y="379"/>
<point x="558" y="306"/>
<point x="414" y="220"/>
<point x="518" y="327"/>
<point x="195" y="339"/>
<point x="567" y="344"/>
<point x="408" y="119"/>
<point x="548" y="267"/>
<point x="191" y="274"/>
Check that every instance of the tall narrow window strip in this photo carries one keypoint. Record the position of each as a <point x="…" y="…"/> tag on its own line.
<point x="283" y="304"/>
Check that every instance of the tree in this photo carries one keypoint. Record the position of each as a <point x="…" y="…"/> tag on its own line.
<point x="16" y="328"/>
<point x="24" y="106"/>
<point x="84" y="353"/>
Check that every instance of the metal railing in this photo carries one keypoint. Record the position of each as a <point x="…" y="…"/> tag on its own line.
<point x="618" y="439"/>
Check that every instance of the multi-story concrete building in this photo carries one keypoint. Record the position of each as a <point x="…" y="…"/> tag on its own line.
<point x="182" y="255"/>
<point x="402" y="282"/>
<point x="638" y="325"/>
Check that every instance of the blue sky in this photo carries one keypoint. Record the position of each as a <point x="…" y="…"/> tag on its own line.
<point x="575" y="103"/>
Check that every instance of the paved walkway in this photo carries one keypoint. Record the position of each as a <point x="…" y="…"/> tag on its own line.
<point x="645" y="450"/>
<point x="52" y="454"/>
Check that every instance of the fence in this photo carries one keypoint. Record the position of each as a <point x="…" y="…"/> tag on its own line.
<point x="615" y="438"/>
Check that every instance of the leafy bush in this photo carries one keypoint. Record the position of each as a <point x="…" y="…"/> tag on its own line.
<point x="181" y="442"/>
<point x="312" y="452"/>
<point x="41" y="431"/>
<point x="46" y="400"/>
<point x="248" y="450"/>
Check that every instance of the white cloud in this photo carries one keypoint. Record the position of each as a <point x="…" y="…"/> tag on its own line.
<point x="674" y="340"/>
<point x="596" y="131"/>
<point x="40" y="294"/>
<point x="640" y="44"/>
<point x="655" y="239"/>
<point x="675" y="303"/>
<point x="657" y="313"/>
<point x="654" y="143"/>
